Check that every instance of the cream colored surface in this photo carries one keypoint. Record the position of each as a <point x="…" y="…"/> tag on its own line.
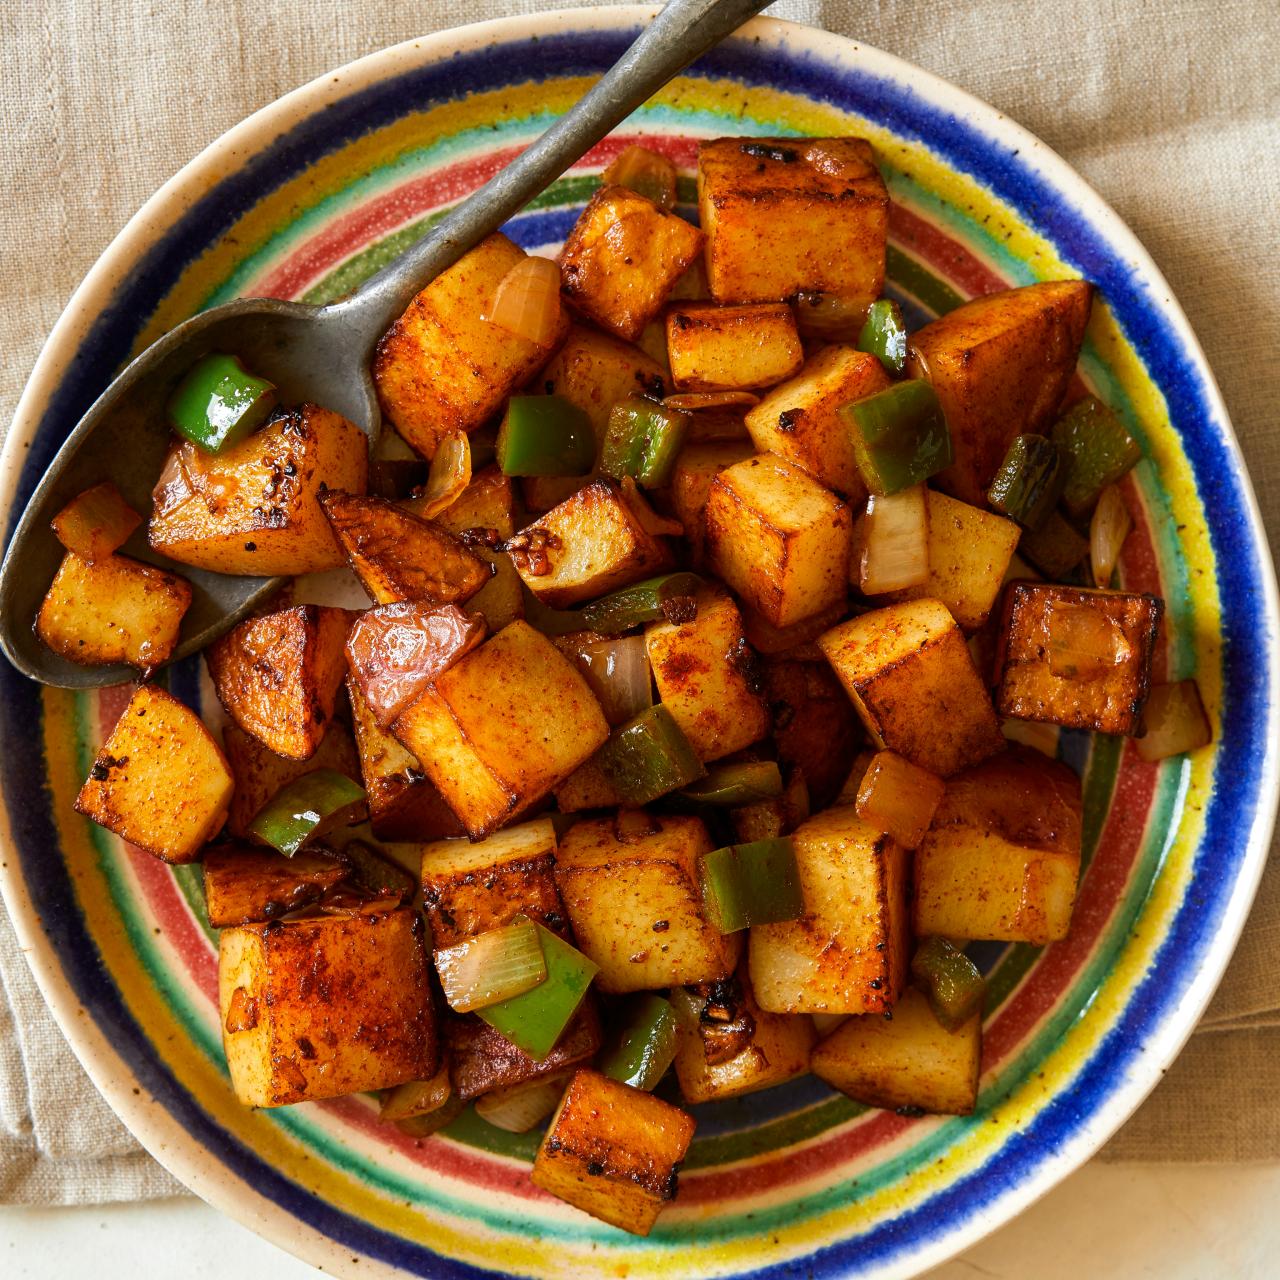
<point x="1171" y="110"/>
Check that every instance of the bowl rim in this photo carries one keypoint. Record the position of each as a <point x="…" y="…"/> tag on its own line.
<point x="159" y="1131"/>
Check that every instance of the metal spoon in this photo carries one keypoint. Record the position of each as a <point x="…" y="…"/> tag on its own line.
<point x="320" y="354"/>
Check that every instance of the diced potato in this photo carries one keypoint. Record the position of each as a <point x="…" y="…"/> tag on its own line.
<point x="706" y="678"/>
<point x="799" y="420"/>
<point x="612" y="1151"/>
<point x="255" y="509"/>
<point x="403" y="802"/>
<point x="503" y="727"/>
<point x="768" y="819"/>
<point x="1002" y="858"/>
<point x="695" y="469"/>
<point x="278" y="675"/>
<point x="909" y="1061"/>
<point x="814" y="726"/>
<point x="249" y="886"/>
<point x="259" y="773"/>
<point x="398" y="556"/>
<point x="912" y="680"/>
<point x="114" y="609"/>
<point x="712" y="348"/>
<point x="160" y="780"/>
<point x="778" y="538"/>
<point x="288" y="1040"/>
<point x="776" y="1050"/>
<point x="635" y="902"/>
<point x="442" y="367"/>
<point x="587" y="788"/>
<point x="622" y="259"/>
<point x="1000" y="365"/>
<point x="898" y="798"/>
<point x="589" y="545"/>
<point x="848" y="953"/>
<point x="1077" y="658"/>
<point x="795" y="642"/>
<point x="96" y="522"/>
<point x="788" y="215"/>
<point x="969" y="554"/>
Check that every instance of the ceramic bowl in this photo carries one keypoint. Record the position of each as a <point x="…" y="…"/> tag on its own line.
<point x="304" y="200"/>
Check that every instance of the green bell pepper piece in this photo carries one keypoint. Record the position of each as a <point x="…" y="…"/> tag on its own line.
<point x="642" y="440"/>
<point x="899" y="436"/>
<point x="219" y="402"/>
<point x="299" y="811"/>
<point x="950" y="980"/>
<point x="670" y="596"/>
<point x="648" y="757"/>
<point x="545" y="436"/>
<point x="737" y="784"/>
<point x="884" y="335"/>
<point x="756" y="883"/>
<point x="646" y="1045"/>
<point x="1030" y="480"/>
<point x="1099" y="451"/>
<point x="1055" y="548"/>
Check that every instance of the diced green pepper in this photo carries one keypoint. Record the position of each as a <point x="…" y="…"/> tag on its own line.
<point x="219" y="402"/>
<point x="1029" y="483"/>
<point x="950" y="980"/>
<point x="884" y="335"/>
<point x="545" y="436"/>
<point x="648" y="757"/>
<point x="736" y="784"/>
<point x="756" y="883"/>
<point x="646" y="1045"/>
<point x="670" y="596"/>
<point x="1055" y="548"/>
<point x="1098" y="451"/>
<point x="535" y="1020"/>
<point x="642" y="440"/>
<point x="300" y="810"/>
<point x="899" y="436"/>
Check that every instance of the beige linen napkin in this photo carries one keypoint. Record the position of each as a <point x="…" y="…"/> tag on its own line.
<point x="1170" y="109"/>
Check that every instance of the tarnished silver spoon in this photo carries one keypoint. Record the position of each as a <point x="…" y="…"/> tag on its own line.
<point x="320" y="354"/>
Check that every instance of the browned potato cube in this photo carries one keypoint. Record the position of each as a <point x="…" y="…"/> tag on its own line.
<point x="369" y="1025"/>
<point x="612" y="1152"/>
<point x="622" y="259"/>
<point x="255" y="509"/>
<point x="114" y="609"/>
<point x="796" y="642"/>
<point x="591" y="544"/>
<point x="594" y="371"/>
<point x="1078" y="658"/>
<point x="1000" y="365"/>
<point x="799" y="421"/>
<point x="443" y="367"/>
<point x="278" y="675"/>
<point x="1002" y="858"/>
<point x="848" y="952"/>
<point x="706" y="678"/>
<point x="814" y="726"/>
<point x="714" y="348"/>
<point x="503" y="727"/>
<point x="249" y="886"/>
<point x="587" y="788"/>
<point x="912" y="680"/>
<point x="911" y="1060"/>
<point x="778" y="538"/>
<point x="635" y="902"/>
<point x="695" y="469"/>
<point x="159" y="781"/>
<point x="785" y="216"/>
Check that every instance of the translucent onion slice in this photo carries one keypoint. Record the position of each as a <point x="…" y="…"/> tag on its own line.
<point x="1030" y="733"/>
<point x="492" y="966"/>
<point x="449" y="475"/>
<point x="1176" y="721"/>
<point x="692" y="400"/>
<point x="1107" y="531"/>
<point x="894" y="539"/>
<point x="825" y="1023"/>
<point x="96" y="522"/>
<point x="527" y="301"/>
<point x="824" y="315"/>
<point x="519" y="1107"/>
<point x="899" y="798"/>
<point x="659" y="526"/>
<point x="1083" y="642"/>
<point x="646" y="172"/>
<point x="417" y="1097"/>
<point x="618" y="672"/>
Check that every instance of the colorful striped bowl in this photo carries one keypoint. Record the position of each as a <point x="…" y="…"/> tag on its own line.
<point x="303" y="201"/>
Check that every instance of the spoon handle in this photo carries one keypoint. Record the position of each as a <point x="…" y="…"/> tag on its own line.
<point x="682" y="31"/>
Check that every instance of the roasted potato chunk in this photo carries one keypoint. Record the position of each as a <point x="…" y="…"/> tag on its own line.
<point x="368" y="1025"/>
<point x="695" y="469"/>
<point x="1078" y="658"/>
<point x="114" y="609"/>
<point x="785" y="216"/>
<point x="622" y="259"/>
<point x="612" y="1151"/>
<point x="911" y="1061"/>
<point x="635" y="902"/>
<point x="255" y="509"/>
<point x="706" y="678"/>
<point x="160" y="780"/>
<point x="587" y="788"/>
<point x="442" y="367"/>
<point x="1002" y="857"/>
<point x="251" y="886"/>
<point x="798" y="420"/>
<point x="277" y="675"/>
<point x="848" y="952"/>
<point x="814" y="726"/>
<point x="1000" y="365"/>
<point x="589" y="545"/>
<point x="713" y="348"/>
<point x="912" y="680"/>
<point x="778" y="538"/>
<point x="498" y="731"/>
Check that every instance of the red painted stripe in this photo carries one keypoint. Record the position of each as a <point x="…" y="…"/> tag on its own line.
<point x="957" y="265"/>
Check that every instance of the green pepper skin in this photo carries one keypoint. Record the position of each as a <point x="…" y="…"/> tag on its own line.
<point x="950" y="980"/>
<point x="219" y="402"/>
<point x="899" y="437"/>
<point x="884" y="335"/>
<point x="646" y="1045"/>
<point x="545" y="436"/>
<point x="1030" y="481"/>
<point x="1098" y="450"/>
<point x="642" y="440"/>
<point x="648" y="757"/>
<point x="296" y="812"/>
<point x="736" y="784"/>
<point x="1055" y="548"/>
<point x="670" y="596"/>
<point x="749" y="884"/>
